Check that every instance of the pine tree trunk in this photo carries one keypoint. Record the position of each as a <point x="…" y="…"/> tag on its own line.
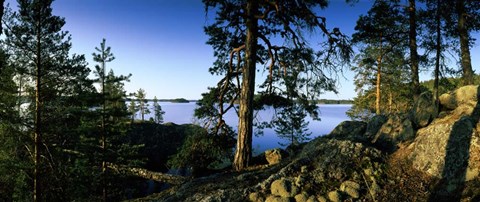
<point x="243" y="152"/>
<point x="379" y="79"/>
<point x="103" y="138"/>
<point x="37" y="195"/>
<point x="438" y="53"/>
<point x="464" y="47"/>
<point x="413" y="50"/>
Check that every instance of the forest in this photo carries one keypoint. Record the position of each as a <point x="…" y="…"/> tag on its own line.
<point x="69" y="131"/>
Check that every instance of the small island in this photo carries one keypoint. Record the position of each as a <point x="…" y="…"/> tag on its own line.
<point x="179" y="100"/>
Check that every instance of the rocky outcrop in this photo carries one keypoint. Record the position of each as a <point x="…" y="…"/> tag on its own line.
<point x="435" y="158"/>
<point x="374" y="125"/>
<point x="466" y="95"/>
<point x="448" y="149"/>
<point x="396" y="130"/>
<point x="424" y="110"/>
<point x="274" y="156"/>
<point x="350" y="130"/>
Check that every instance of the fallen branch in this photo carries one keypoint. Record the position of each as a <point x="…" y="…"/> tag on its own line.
<point x="146" y="174"/>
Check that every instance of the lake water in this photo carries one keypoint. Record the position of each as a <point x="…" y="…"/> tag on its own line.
<point x="330" y="115"/>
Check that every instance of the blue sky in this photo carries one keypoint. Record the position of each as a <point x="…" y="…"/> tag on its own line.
<point x="162" y="43"/>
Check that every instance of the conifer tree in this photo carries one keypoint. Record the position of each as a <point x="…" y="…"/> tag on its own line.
<point x="242" y="32"/>
<point x="142" y="103"/>
<point x="39" y="50"/>
<point x="157" y="110"/>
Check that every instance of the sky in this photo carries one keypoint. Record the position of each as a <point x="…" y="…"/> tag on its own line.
<point x="162" y="43"/>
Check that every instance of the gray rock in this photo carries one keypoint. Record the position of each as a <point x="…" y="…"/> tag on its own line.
<point x="446" y="146"/>
<point x="350" y="130"/>
<point x="396" y="130"/>
<point x="274" y="156"/>
<point x="374" y="125"/>
<point x="464" y="95"/>
<point x="284" y="188"/>
<point x="424" y="110"/>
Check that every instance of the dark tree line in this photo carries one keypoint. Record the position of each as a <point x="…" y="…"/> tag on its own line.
<point x="58" y="131"/>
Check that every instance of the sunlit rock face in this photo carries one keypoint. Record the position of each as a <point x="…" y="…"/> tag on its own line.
<point x="466" y="95"/>
<point x="449" y="147"/>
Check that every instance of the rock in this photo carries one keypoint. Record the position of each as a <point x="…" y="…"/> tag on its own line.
<point x="334" y="196"/>
<point x="312" y="199"/>
<point x="464" y="95"/>
<point x="396" y="130"/>
<point x="274" y="156"/>
<point x="374" y="125"/>
<point x="351" y="188"/>
<point x="273" y="198"/>
<point x="283" y="188"/>
<point x="255" y="197"/>
<point x="302" y="197"/>
<point x="299" y="181"/>
<point x="321" y="199"/>
<point x="424" y="110"/>
<point x="449" y="148"/>
<point x="350" y="130"/>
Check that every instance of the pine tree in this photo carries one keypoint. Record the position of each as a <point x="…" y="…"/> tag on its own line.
<point x="242" y="31"/>
<point x="290" y="124"/>
<point x="103" y="56"/>
<point x="133" y="109"/>
<point x="142" y="103"/>
<point x="40" y="52"/>
<point x="380" y="33"/>
<point x="157" y="110"/>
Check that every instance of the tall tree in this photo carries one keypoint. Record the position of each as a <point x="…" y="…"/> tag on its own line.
<point x="467" y="13"/>
<point x="412" y="13"/>
<point x="132" y="108"/>
<point x="243" y="30"/>
<point x="142" y="103"/>
<point x="40" y="51"/>
<point x="381" y="29"/>
<point x="103" y="56"/>
<point x="157" y="111"/>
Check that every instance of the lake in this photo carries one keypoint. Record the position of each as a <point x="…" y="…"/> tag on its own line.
<point x="330" y="115"/>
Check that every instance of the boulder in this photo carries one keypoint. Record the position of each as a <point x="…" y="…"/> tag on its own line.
<point x="255" y="197"/>
<point x="351" y="188"/>
<point x="448" y="148"/>
<point x="396" y="130"/>
<point x="274" y="156"/>
<point x="302" y="197"/>
<point x="424" y="110"/>
<point x="464" y="95"/>
<point x="283" y="188"/>
<point x="273" y="198"/>
<point x="374" y="125"/>
<point x="335" y="196"/>
<point x="350" y="130"/>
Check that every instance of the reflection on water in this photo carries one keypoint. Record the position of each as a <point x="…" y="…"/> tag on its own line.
<point x="330" y="115"/>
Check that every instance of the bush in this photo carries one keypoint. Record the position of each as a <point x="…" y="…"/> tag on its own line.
<point x="202" y="151"/>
